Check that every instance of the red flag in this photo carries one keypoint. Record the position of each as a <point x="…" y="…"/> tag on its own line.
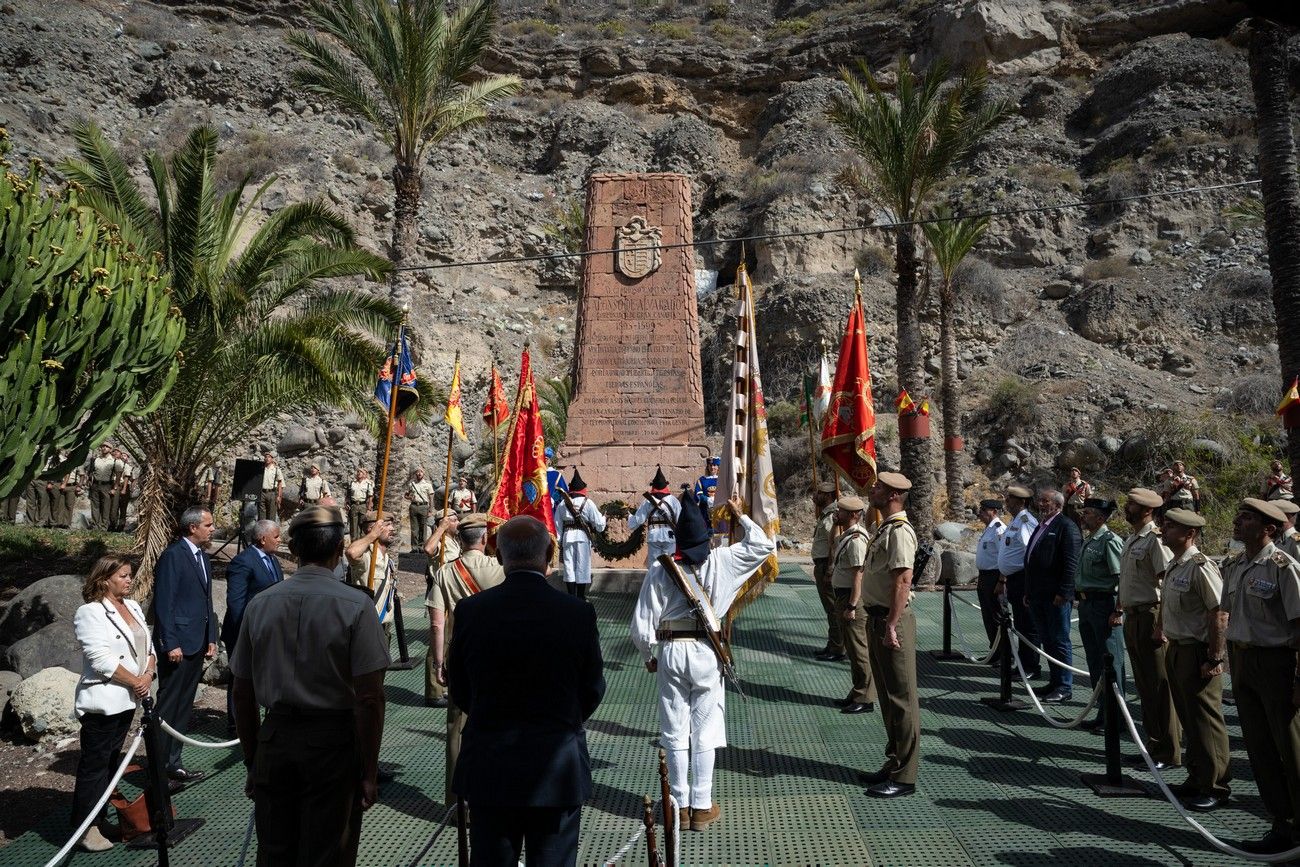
<point x="496" y="411"/>
<point x="904" y="403"/>
<point x="849" y="426"/>
<point x="522" y="487"/>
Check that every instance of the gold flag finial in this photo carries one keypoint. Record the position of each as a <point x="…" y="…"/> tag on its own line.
<point x="857" y="284"/>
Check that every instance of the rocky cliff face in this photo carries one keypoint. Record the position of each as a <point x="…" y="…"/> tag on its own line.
<point x="1105" y="313"/>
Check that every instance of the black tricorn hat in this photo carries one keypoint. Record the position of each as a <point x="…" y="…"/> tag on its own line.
<point x="659" y="483"/>
<point x="693" y="536"/>
<point x="576" y="484"/>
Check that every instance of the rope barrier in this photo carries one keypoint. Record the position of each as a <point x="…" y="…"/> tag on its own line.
<point x="1033" y="696"/>
<point x="1182" y="811"/>
<point x="640" y="829"/>
<point x="1044" y="655"/>
<point x="185" y="739"/>
<point x="961" y="637"/>
<point x="437" y="832"/>
<point x="99" y="805"/>
<point x="248" y="837"/>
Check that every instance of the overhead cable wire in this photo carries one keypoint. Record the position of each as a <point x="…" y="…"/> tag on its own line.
<point x="837" y="230"/>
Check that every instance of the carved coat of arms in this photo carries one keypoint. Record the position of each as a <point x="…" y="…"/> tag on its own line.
<point x="638" y="248"/>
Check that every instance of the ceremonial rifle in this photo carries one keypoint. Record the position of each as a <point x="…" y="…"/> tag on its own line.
<point x="577" y="515"/>
<point x="704" y="614"/>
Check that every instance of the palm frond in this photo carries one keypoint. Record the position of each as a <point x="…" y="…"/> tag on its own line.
<point x="950" y="240"/>
<point x="104" y="172"/>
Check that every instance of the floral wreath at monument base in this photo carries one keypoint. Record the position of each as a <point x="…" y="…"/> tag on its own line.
<point x="610" y="549"/>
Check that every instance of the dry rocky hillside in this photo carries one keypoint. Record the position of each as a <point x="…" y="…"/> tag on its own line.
<point x="1078" y="328"/>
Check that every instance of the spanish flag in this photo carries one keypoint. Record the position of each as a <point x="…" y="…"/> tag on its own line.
<point x="1291" y="398"/>
<point x="454" y="417"/>
<point x="924" y="409"/>
<point x="905" y="403"/>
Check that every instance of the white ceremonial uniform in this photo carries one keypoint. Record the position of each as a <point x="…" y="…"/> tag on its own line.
<point x="989" y="550"/>
<point x="691" y="695"/>
<point x="1011" y="556"/>
<point x="660" y="535"/>
<point x="575" y="545"/>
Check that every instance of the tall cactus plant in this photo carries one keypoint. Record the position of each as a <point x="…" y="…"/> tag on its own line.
<point x="90" y="333"/>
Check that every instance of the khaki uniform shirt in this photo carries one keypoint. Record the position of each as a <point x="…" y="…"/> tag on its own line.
<point x="359" y="492"/>
<point x="1141" y="563"/>
<point x="1192" y="588"/>
<point x="105" y="470"/>
<point x="893" y="547"/>
<point x="359" y="571"/>
<point x="421" y="492"/>
<point x="1262" y="596"/>
<point x="448" y="588"/>
<point x="315" y="487"/>
<point x="1290" y="542"/>
<point x="821" y="543"/>
<point x="462" y="500"/>
<point x="1182" y="490"/>
<point x="206" y="476"/>
<point x="272" y="478"/>
<point x="303" y="641"/>
<point x="850" y="554"/>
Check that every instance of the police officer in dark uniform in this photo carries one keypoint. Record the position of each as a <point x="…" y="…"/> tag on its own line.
<point x="313" y="762"/>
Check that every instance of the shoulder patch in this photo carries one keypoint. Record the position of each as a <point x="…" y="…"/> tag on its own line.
<point x="1200" y="559"/>
<point x="1281" y="558"/>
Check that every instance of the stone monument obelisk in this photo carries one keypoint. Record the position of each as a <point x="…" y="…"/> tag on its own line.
<point x="637" y="400"/>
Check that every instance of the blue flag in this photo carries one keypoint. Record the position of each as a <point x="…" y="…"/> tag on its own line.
<point x="407" y="393"/>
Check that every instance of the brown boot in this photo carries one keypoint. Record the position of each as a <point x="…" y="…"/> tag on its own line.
<point x="702" y="819"/>
<point x="684" y="818"/>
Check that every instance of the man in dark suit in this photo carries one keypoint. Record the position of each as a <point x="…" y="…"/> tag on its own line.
<point x="185" y="628"/>
<point x="1051" y="564"/>
<point x="525" y="666"/>
<point x="251" y="571"/>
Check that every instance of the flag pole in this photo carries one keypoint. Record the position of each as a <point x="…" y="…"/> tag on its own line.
<point x="446" y="489"/>
<point x="396" y="374"/>
<point x="496" y="440"/>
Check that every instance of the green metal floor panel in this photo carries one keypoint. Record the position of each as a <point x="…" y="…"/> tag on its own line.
<point x="995" y="788"/>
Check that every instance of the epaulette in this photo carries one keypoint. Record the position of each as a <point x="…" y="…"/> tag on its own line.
<point x="1200" y="559"/>
<point x="1282" y="558"/>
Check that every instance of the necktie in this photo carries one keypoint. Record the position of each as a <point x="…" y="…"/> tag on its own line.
<point x="198" y="559"/>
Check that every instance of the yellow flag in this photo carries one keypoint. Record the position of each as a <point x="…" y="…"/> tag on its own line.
<point x="1291" y="397"/>
<point x="454" y="417"/>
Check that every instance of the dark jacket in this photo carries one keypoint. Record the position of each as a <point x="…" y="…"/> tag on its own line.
<point x="525" y="665"/>
<point x="246" y="576"/>
<point x="1052" y="560"/>
<point x="182" y="602"/>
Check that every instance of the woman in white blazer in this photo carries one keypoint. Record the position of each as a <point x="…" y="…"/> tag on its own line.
<point x="117" y="670"/>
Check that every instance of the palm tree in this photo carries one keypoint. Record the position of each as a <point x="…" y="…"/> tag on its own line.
<point x="950" y="240"/>
<point x="910" y="142"/>
<point x="262" y="335"/>
<point x="1280" y="187"/>
<point x="418" y="86"/>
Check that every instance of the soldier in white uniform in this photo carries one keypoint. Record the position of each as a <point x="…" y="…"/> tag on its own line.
<point x="575" y="526"/>
<point x="1011" y="566"/>
<point x="988" y="551"/>
<point x="659" y="512"/>
<point x="670" y="638"/>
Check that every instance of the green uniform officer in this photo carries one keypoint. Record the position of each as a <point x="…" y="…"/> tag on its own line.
<point x="824" y="506"/>
<point x="847" y="559"/>
<point x="313" y="761"/>
<point x="471" y="572"/>
<point x="1261" y="590"/>
<point x="887" y="595"/>
<point x="1095" y="588"/>
<point x="1194" y="626"/>
<point x="1142" y="562"/>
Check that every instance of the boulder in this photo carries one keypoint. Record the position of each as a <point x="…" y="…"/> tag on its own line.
<point x="1210" y="448"/>
<point x="1058" y="290"/>
<point x="54" y="646"/>
<point x="957" y="567"/>
<point x="1138" y="21"/>
<point x="38" y="605"/>
<point x="1109" y="444"/>
<point x="1011" y="34"/>
<point x="44" y="704"/>
<point x="9" y="681"/>
<point x="1081" y="453"/>
<point x="217" y="669"/>
<point x="950" y="531"/>
<point x="296" y="440"/>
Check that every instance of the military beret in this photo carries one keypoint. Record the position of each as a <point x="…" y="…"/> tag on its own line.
<point x="1267" y="508"/>
<point x="897" y="481"/>
<point x="1286" y="507"/>
<point x="369" y="518"/>
<point x="1101" y="505"/>
<point x="826" y="487"/>
<point x="1186" y="517"/>
<point x="472" y="521"/>
<point x="316" y="516"/>
<point x="1020" y="491"/>
<point x="850" y="503"/>
<point x="991" y="504"/>
<point x="1145" y="497"/>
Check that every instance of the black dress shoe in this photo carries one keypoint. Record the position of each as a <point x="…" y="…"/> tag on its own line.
<point x="1272" y="842"/>
<point x="383" y="776"/>
<point x="1094" y="725"/>
<point x="1057" y="697"/>
<point x="1203" y="803"/>
<point x="181" y="775"/>
<point x="842" y="702"/>
<point x="890" y="789"/>
<point x="858" y="707"/>
<point x="872" y="779"/>
<point x="1044" y="691"/>
<point x="833" y="657"/>
<point x="440" y="701"/>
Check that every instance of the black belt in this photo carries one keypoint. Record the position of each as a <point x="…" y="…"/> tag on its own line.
<point x="673" y="634"/>
<point x="877" y="611"/>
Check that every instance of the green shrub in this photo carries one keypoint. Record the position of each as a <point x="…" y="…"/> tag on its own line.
<point x="680" y="31"/>
<point x="789" y="27"/>
<point x="1110" y="268"/>
<point x="613" y="29"/>
<point x="1013" y="403"/>
<point x="783" y="419"/>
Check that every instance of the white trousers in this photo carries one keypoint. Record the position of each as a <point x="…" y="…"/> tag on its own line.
<point x="698" y="795"/>
<point x="653" y="549"/>
<point x="692" y="701"/>
<point x="576" y="557"/>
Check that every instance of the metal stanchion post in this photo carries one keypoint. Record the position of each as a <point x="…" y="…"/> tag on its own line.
<point x="947" y="652"/>
<point x="404" y="661"/>
<point x="1113" y="783"/>
<point x="1003" y="701"/>
<point x="165" y="830"/>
